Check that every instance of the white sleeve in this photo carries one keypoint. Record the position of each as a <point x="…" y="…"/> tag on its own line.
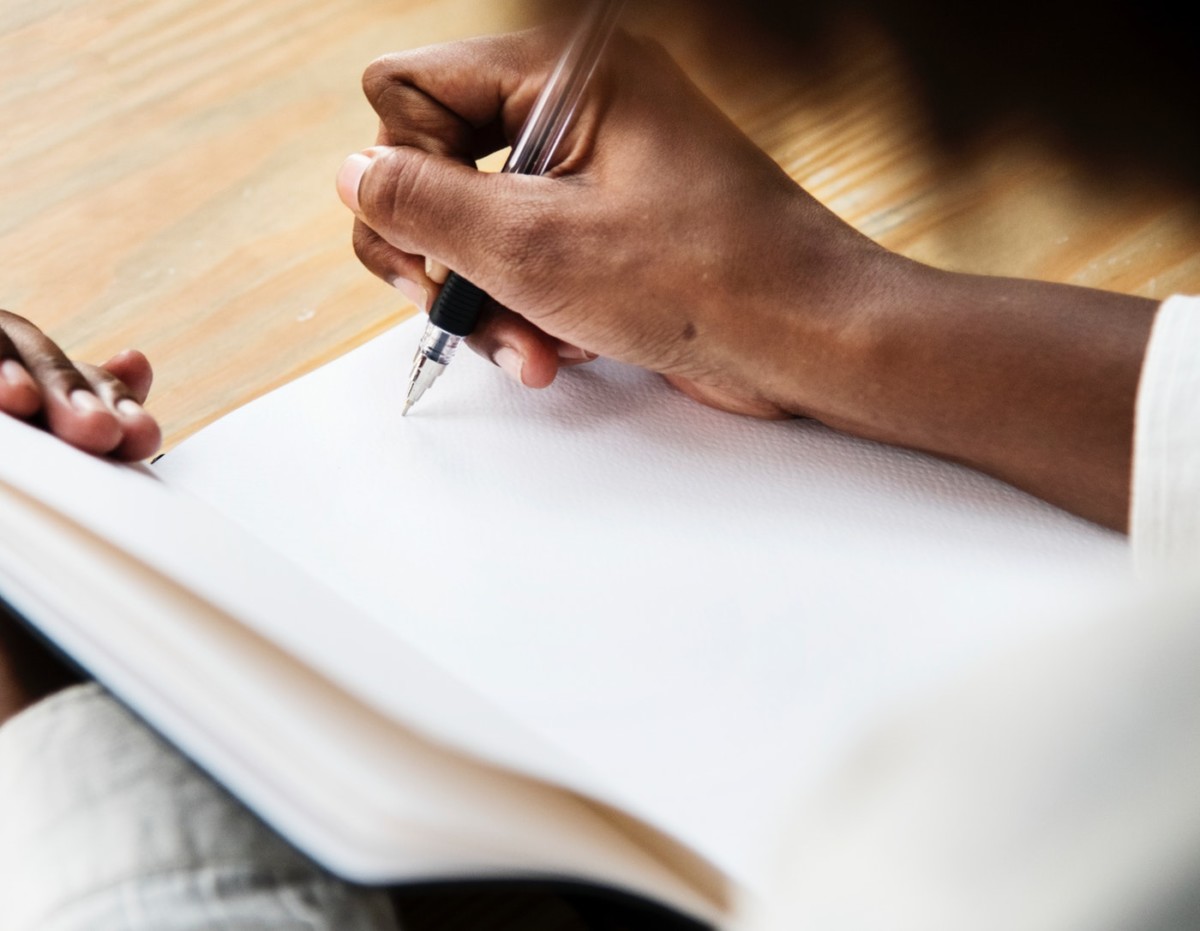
<point x="1164" y="519"/>
<point x="1053" y="789"/>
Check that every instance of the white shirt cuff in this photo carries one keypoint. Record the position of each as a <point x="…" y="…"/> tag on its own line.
<point x="1164" y="520"/>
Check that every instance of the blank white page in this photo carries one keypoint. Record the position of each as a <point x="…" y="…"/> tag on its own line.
<point x="702" y="609"/>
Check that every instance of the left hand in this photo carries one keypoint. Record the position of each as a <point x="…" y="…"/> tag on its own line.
<point x="96" y="408"/>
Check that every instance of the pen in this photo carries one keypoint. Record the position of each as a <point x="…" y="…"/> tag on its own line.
<point x="455" y="312"/>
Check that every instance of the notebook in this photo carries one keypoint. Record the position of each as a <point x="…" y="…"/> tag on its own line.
<point x="597" y="633"/>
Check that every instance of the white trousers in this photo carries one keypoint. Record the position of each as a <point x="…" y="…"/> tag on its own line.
<point x="104" y="827"/>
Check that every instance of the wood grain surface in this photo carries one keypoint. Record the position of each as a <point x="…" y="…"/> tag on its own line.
<point x="166" y="180"/>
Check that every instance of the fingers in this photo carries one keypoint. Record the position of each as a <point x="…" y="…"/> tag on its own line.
<point x="460" y="101"/>
<point x="645" y="241"/>
<point x="448" y="101"/>
<point x="526" y="354"/>
<point x="481" y="224"/>
<point x="421" y="206"/>
<point x="140" y="434"/>
<point x="91" y="408"/>
<point x="521" y="350"/>
<point x="134" y="370"/>
<point x="463" y="99"/>
<point x="405" y="272"/>
<point x="410" y="116"/>
<point x="19" y="394"/>
<point x="71" y="410"/>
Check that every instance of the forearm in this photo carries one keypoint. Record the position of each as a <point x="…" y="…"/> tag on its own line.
<point x="1030" y="381"/>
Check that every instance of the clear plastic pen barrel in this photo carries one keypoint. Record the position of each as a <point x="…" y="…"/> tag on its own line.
<point x="456" y="310"/>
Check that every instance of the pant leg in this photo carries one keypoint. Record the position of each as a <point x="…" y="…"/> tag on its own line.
<point x="104" y="827"/>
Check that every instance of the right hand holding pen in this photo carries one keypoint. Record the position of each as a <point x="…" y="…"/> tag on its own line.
<point x="662" y="237"/>
<point x="665" y="238"/>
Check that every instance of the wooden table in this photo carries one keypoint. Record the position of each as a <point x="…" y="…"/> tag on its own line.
<point x="166" y="180"/>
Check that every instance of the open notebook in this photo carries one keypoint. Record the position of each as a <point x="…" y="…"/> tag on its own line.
<point x="596" y="633"/>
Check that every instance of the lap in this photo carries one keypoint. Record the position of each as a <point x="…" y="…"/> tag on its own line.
<point x="108" y="828"/>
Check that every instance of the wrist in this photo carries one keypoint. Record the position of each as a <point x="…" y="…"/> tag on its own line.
<point x="894" y="337"/>
<point x="833" y="331"/>
<point x="995" y="373"/>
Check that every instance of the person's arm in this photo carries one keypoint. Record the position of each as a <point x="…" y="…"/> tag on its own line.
<point x="666" y="239"/>
<point x="1029" y="381"/>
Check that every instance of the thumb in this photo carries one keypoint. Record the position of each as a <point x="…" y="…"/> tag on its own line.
<point x="434" y="206"/>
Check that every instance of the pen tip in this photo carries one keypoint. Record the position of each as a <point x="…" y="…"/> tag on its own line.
<point x="407" y="406"/>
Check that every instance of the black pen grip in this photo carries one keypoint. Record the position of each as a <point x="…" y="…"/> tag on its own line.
<point x="457" y="307"/>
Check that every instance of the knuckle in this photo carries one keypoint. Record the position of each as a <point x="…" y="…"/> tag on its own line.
<point x="394" y="199"/>
<point x="381" y="74"/>
<point x="396" y="102"/>
<point x="9" y="319"/>
<point x="54" y="369"/>
<point x="409" y="114"/>
<point x="27" y="339"/>
<point x="393" y="192"/>
<point x="104" y="384"/>
<point x="411" y="117"/>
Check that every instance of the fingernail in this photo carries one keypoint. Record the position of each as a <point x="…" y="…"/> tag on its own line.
<point x="413" y="291"/>
<point x="128" y="407"/>
<point x="349" y="177"/>
<point x="569" y="353"/>
<point x="436" y="271"/>
<point x="511" y="362"/>
<point x="85" y="402"/>
<point x="15" y="374"/>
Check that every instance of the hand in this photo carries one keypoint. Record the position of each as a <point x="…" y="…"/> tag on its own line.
<point x="662" y="237"/>
<point x="95" y="408"/>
